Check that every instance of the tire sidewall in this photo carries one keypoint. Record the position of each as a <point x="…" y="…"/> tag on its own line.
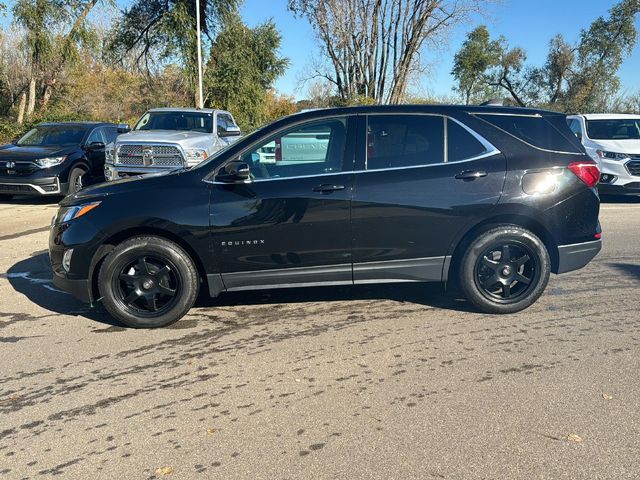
<point x="506" y="234"/>
<point x="150" y="246"/>
<point x="73" y="175"/>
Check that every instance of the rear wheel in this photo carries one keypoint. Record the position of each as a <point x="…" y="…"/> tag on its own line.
<point x="504" y="270"/>
<point x="148" y="282"/>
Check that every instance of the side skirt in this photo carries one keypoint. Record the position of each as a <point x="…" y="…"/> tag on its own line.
<point x="429" y="269"/>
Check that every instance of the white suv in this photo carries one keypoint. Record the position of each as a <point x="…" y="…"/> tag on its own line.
<point x="612" y="140"/>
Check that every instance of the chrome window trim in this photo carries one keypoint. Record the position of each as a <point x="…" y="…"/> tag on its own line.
<point x="490" y="150"/>
<point x="479" y="117"/>
<point x="478" y="157"/>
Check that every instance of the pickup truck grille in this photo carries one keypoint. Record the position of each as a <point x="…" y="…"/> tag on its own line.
<point x="149" y="156"/>
<point x="634" y="166"/>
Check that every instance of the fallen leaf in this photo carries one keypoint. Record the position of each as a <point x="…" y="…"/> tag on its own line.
<point x="574" y="438"/>
<point x="211" y="431"/>
<point x="298" y="380"/>
<point x="606" y="396"/>
<point x="164" y="471"/>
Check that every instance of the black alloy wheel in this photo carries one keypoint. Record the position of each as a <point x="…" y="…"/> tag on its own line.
<point x="506" y="272"/>
<point x="148" y="282"/>
<point x="504" y="269"/>
<point x="148" y="285"/>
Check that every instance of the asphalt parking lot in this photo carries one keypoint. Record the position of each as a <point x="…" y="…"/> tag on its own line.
<point x="376" y="382"/>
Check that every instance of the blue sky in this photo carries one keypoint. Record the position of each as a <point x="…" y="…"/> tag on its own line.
<point x="529" y="24"/>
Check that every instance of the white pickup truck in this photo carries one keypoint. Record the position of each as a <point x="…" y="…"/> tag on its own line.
<point x="168" y="138"/>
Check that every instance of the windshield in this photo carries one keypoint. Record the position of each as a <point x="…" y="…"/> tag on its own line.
<point x="52" y="135"/>
<point x="617" y="129"/>
<point x="181" y="121"/>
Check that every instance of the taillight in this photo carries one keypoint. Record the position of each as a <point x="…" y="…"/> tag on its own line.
<point x="588" y="172"/>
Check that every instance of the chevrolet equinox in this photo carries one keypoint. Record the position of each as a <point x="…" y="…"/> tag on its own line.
<point x="492" y="199"/>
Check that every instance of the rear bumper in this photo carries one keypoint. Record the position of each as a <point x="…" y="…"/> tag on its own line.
<point x="30" y="186"/>
<point x="77" y="288"/>
<point x="576" y="256"/>
<point x="631" y="188"/>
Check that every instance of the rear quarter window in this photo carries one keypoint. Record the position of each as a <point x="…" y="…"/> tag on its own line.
<point x="533" y="130"/>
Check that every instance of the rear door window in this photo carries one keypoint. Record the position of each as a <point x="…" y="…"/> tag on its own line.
<point x="533" y="130"/>
<point x="395" y="141"/>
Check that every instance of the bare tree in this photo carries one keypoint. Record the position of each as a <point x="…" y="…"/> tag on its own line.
<point x="374" y="46"/>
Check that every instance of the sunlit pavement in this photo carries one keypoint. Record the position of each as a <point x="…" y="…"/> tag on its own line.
<point x="377" y="382"/>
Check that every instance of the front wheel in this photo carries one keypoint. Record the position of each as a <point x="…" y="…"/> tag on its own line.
<point x="76" y="180"/>
<point x="148" y="282"/>
<point x="504" y="270"/>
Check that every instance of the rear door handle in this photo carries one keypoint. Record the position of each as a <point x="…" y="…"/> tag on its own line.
<point x="328" y="187"/>
<point x="470" y="174"/>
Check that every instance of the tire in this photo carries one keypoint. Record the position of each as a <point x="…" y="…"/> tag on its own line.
<point x="137" y="277"/>
<point x="4" y="197"/>
<point x="504" y="270"/>
<point x="75" y="180"/>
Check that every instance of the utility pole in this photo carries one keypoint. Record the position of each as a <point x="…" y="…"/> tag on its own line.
<point x="200" y="99"/>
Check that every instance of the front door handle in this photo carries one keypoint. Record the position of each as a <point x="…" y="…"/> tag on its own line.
<point x="470" y="174"/>
<point x="328" y="187"/>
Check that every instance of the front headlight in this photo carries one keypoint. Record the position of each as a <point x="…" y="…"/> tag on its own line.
<point x="109" y="152"/>
<point x="611" y="155"/>
<point x="196" y="155"/>
<point x="66" y="214"/>
<point x="49" y="161"/>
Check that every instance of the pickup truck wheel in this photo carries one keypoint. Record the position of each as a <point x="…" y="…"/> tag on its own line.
<point x="504" y="270"/>
<point x="148" y="282"/>
<point x="76" y="180"/>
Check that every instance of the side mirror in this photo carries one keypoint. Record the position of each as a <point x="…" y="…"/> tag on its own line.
<point x="230" y="132"/>
<point x="124" y="128"/>
<point x="93" y="146"/>
<point x="235" y="171"/>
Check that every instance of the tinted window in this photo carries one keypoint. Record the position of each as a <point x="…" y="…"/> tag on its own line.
<point x="97" y="135"/>
<point x="619" y="129"/>
<point x="53" y="135"/>
<point x="534" y="130"/>
<point x="311" y="149"/>
<point x="111" y="133"/>
<point x="574" y="126"/>
<point x="404" y="140"/>
<point x="461" y="143"/>
<point x="183" y="121"/>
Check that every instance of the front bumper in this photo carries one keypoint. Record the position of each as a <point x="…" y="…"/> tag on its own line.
<point x="116" y="172"/>
<point x="30" y="186"/>
<point x="575" y="256"/>
<point x="77" y="288"/>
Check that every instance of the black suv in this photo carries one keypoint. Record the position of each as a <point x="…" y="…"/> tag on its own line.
<point x="55" y="159"/>
<point x="491" y="198"/>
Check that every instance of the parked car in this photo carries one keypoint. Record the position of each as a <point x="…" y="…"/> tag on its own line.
<point x="491" y="198"/>
<point x="55" y="159"/>
<point x="613" y="141"/>
<point x="168" y="139"/>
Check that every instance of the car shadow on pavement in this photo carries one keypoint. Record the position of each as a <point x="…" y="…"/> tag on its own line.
<point x="22" y="200"/>
<point x="620" y="199"/>
<point x="427" y="294"/>
<point x="32" y="278"/>
<point x="630" y="269"/>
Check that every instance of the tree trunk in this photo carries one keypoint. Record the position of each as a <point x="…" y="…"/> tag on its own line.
<point x="48" y="91"/>
<point x="21" y="107"/>
<point x="32" y="96"/>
